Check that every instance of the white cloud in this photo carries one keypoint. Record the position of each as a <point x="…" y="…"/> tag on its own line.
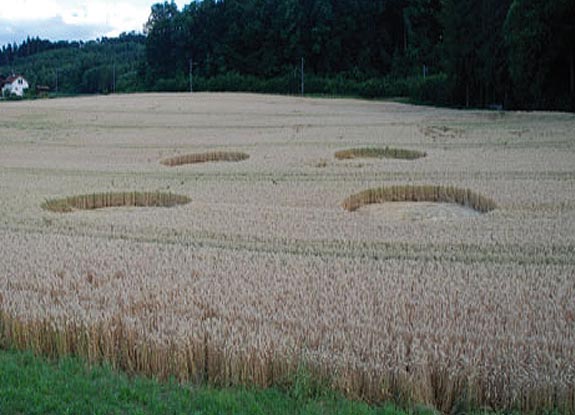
<point x="32" y="10"/>
<point x="54" y="29"/>
<point x="72" y="19"/>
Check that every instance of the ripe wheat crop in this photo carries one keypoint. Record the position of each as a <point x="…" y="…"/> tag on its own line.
<point x="266" y="273"/>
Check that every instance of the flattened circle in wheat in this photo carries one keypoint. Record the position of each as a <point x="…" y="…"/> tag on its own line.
<point x="114" y="199"/>
<point x="194" y="158"/>
<point x="380" y="152"/>
<point x="420" y="193"/>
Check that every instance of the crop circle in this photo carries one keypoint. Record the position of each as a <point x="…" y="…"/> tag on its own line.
<point x="377" y="152"/>
<point x="195" y="158"/>
<point x="423" y="193"/>
<point x="114" y="199"/>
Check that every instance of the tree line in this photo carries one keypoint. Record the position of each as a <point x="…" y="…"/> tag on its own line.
<point x="344" y="44"/>
<point x="471" y="53"/>
<point x="467" y="53"/>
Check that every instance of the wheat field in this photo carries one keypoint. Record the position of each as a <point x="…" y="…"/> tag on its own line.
<point x="266" y="271"/>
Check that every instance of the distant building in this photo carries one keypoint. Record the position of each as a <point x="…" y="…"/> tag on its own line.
<point x="14" y="85"/>
<point x="42" y="90"/>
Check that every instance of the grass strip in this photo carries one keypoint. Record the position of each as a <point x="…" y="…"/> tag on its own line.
<point x="35" y="385"/>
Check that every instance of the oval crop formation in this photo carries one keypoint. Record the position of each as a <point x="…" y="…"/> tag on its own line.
<point x="268" y="274"/>
<point x="115" y="199"/>
<point x="205" y="157"/>
<point x="426" y="193"/>
<point x="381" y="152"/>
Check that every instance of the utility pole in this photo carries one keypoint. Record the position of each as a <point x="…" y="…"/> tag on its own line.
<point x="56" y="80"/>
<point x="572" y="73"/>
<point x="302" y="78"/>
<point x="114" y="79"/>
<point x="191" y="76"/>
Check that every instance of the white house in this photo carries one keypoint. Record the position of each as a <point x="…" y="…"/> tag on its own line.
<point x="15" y="84"/>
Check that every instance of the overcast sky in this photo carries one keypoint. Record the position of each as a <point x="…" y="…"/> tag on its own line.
<point x="72" y="19"/>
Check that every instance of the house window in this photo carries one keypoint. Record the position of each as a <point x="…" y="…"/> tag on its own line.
<point x="19" y="81"/>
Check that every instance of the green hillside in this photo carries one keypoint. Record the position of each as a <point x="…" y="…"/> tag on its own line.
<point x="100" y="66"/>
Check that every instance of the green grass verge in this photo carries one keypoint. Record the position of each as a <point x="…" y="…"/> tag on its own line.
<point x="34" y="385"/>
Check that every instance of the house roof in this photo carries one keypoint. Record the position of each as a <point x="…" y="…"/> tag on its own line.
<point x="12" y="78"/>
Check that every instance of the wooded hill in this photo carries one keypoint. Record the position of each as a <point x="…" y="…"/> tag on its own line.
<point x="513" y="53"/>
<point x="79" y="67"/>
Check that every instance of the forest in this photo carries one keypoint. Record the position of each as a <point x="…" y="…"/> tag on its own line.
<point x="513" y="54"/>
